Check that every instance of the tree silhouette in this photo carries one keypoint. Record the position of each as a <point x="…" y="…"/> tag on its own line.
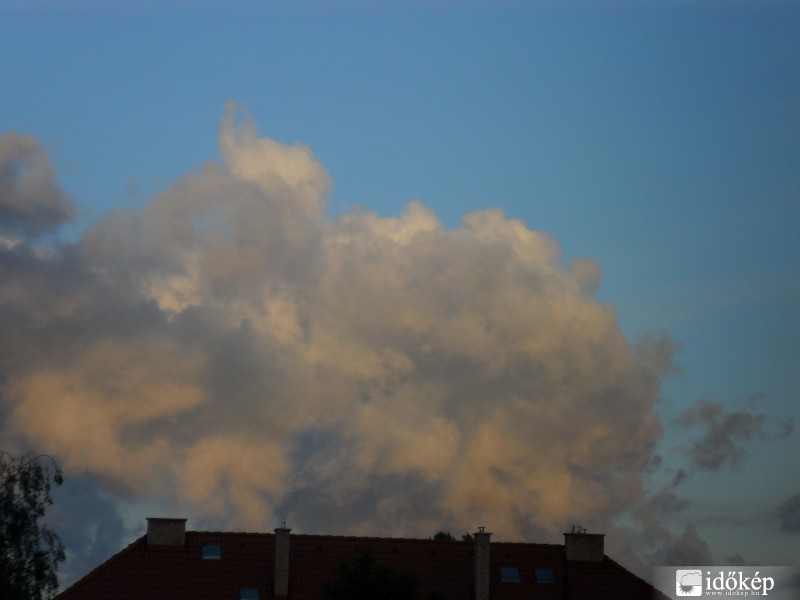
<point x="364" y="579"/>
<point x="29" y="551"/>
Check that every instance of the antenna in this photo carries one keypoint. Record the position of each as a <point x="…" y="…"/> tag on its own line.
<point x="578" y="529"/>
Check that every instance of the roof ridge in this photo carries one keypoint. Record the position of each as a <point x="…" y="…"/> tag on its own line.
<point x="529" y="544"/>
<point x="319" y="535"/>
<point x="367" y="537"/>
<point x="372" y="537"/>
<point x="216" y="532"/>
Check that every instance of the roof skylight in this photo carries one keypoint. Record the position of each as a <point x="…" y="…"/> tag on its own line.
<point x="509" y="574"/>
<point x="211" y="552"/>
<point x="544" y="576"/>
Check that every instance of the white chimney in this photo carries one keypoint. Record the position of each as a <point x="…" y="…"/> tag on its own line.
<point x="481" y="541"/>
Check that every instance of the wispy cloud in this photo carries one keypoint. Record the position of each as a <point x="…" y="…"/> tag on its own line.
<point x="728" y="435"/>
<point x="788" y="514"/>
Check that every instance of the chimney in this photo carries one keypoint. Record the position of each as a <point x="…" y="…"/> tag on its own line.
<point x="166" y="531"/>
<point x="481" y="568"/>
<point x="282" y="562"/>
<point x="579" y="545"/>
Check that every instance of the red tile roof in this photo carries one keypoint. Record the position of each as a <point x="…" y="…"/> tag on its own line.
<point x="143" y="571"/>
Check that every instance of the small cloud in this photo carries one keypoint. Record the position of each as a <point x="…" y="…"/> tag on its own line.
<point x="31" y="201"/>
<point x="788" y="513"/>
<point x="659" y="516"/>
<point x="735" y="560"/>
<point x="728" y="436"/>
<point x="688" y="548"/>
<point x="679" y="477"/>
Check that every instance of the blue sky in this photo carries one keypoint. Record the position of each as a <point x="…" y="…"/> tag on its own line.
<point x="661" y="139"/>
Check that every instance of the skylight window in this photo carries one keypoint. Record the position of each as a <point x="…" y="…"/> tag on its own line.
<point x="249" y="594"/>
<point x="211" y="552"/>
<point x="509" y="574"/>
<point x="544" y="576"/>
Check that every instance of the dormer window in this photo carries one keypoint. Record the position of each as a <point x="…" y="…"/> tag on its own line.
<point x="509" y="574"/>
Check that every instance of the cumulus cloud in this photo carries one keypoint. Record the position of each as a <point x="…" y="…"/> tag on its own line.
<point x="31" y="200"/>
<point x="233" y="354"/>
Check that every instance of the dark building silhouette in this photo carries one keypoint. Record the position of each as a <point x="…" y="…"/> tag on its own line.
<point x="170" y="563"/>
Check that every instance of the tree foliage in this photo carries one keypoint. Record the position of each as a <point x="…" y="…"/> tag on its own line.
<point x="446" y="536"/>
<point x="29" y="551"/>
<point x="362" y="578"/>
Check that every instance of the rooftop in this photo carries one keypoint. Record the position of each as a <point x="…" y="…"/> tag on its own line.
<point x="216" y="564"/>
